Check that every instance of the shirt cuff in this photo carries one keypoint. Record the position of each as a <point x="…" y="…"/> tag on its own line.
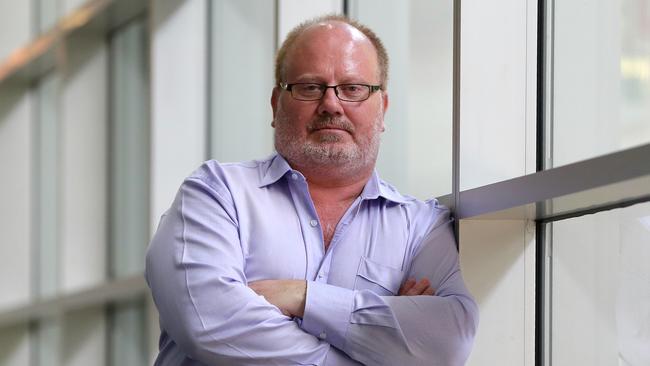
<point x="327" y="312"/>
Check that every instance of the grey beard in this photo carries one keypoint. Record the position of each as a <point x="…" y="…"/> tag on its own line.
<point x="325" y="153"/>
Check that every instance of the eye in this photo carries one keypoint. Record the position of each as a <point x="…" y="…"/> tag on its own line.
<point x="352" y="88"/>
<point x="310" y="88"/>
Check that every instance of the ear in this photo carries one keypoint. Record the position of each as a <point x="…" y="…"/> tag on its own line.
<point x="275" y="95"/>
<point x="384" y="101"/>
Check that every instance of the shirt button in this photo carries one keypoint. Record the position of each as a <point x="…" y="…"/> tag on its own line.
<point x="322" y="335"/>
<point x="294" y="176"/>
<point x="313" y="223"/>
<point x="320" y="275"/>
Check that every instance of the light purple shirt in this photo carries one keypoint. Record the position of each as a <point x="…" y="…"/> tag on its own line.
<point x="235" y="223"/>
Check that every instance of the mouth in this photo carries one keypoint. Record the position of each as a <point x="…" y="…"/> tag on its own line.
<point x="330" y="128"/>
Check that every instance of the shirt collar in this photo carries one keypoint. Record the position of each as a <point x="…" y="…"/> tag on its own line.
<point x="375" y="187"/>
<point x="276" y="169"/>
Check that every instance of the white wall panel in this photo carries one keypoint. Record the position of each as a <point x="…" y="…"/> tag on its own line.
<point x="15" y="196"/>
<point x="178" y="85"/>
<point x="84" y="165"/>
<point x="498" y="264"/>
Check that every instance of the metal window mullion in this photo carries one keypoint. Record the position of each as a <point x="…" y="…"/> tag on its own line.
<point x="456" y="115"/>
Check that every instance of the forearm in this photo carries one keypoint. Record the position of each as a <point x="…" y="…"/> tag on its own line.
<point x="392" y="330"/>
<point x="195" y="271"/>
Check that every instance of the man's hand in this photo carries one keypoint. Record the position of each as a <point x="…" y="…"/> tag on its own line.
<point x="413" y="288"/>
<point x="288" y="295"/>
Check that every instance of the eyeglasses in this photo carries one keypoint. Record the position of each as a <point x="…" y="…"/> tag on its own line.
<point x="345" y="92"/>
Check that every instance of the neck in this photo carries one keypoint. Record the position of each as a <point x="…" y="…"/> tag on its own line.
<point x="334" y="185"/>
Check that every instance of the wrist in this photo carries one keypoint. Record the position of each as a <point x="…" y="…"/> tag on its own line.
<point x="300" y="300"/>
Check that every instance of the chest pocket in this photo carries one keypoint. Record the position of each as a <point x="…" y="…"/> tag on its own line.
<point x="378" y="278"/>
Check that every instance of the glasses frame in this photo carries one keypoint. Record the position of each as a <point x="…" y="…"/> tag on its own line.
<point x="324" y="87"/>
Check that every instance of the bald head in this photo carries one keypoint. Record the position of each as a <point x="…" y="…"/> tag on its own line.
<point x="337" y="28"/>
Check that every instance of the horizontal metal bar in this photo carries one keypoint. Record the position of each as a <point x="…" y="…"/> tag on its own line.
<point x="593" y="184"/>
<point x="105" y="293"/>
<point x="35" y="59"/>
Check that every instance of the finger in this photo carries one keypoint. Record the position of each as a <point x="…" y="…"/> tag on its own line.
<point x="419" y="287"/>
<point x="406" y="286"/>
<point x="429" y="291"/>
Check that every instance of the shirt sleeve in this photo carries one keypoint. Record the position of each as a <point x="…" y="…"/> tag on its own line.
<point x="195" y="269"/>
<point x="401" y="330"/>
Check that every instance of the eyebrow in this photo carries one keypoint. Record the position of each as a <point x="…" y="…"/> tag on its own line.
<point x="317" y="80"/>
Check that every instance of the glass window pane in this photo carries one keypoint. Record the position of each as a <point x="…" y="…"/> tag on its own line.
<point x="243" y="48"/>
<point x="127" y="334"/>
<point x="47" y="342"/>
<point x="497" y="91"/>
<point x="129" y="230"/>
<point x="84" y="173"/>
<point x="415" y="154"/>
<point x="46" y="14"/>
<point x="601" y="78"/>
<point x="600" y="297"/>
<point x="47" y="185"/>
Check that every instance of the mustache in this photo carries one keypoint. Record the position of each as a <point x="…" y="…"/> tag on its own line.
<point x="330" y="122"/>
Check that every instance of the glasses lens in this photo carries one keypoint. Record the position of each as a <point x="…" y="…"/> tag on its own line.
<point x="353" y="92"/>
<point x="307" y="91"/>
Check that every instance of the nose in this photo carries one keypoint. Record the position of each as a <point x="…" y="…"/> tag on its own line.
<point x="330" y="103"/>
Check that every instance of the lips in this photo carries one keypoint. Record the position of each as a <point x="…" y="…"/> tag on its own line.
<point x="331" y="128"/>
<point x="331" y="124"/>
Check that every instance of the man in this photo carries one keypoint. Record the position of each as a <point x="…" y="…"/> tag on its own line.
<point x="300" y="259"/>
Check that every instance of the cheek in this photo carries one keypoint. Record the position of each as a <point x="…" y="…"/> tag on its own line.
<point x="294" y="114"/>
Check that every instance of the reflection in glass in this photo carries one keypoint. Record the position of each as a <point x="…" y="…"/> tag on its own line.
<point x="600" y="289"/>
<point x="601" y="66"/>
<point x="129" y="150"/>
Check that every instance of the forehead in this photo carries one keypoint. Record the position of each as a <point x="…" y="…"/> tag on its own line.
<point x="332" y="47"/>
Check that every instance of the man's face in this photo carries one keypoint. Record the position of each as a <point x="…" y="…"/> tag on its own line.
<point x="330" y="132"/>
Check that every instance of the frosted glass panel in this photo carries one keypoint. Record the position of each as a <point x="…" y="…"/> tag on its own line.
<point x="415" y="154"/>
<point x="600" y="293"/>
<point x="46" y="186"/>
<point x="601" y="90"/>
<point x="243" y="47"/>
<point x="129" y="150"/>
<point x="127" y="334"/>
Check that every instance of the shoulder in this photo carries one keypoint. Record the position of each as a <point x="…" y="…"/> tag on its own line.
<point x="422" y="215"/>
<point x="217" y="174"/>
